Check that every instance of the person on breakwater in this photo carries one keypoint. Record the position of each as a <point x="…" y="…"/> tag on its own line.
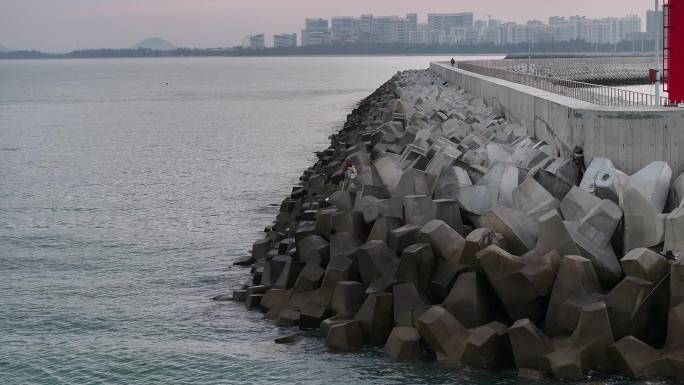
<point x="350" y="172"/>
<point x="453" y="62"/>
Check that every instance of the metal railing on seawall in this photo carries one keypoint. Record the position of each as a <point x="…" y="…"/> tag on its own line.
<point x="591" y="93"/>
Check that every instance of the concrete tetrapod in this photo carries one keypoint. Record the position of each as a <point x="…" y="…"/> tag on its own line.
<point x="645" y="264"/>
<point x="377" y="318"/>
<point x="593" y="234"/>
<point x="417" y="266"/>
<point x="565" y="357"/>
<point x="406" y="301"/>
<point x="349" y="222"/>
<point x="314" y="249"/>
<point x="402" y="237"/>
<point x="330" y="322"/>
<point x="511" y="224"/>
<point x="274" y="301"/>
<point x="637" y="358"/>
<point x="653" y="182"/>
<point x="375" y="260"/>
<point x="347" y="298"/>
<point x="309" y="279"/>
<point x="346" y="336"/>
<point x="414" y="182"/>
<point x="444" y="277"/>
<point x="445" y="241"/>
<point x="674" y="231"/>
<point x="644" y="224"/>
<point x="553" y="235"/>
<point x="576" y="284"/>
<point x="382" y="228"/>
<point x="417" y="209"/>
<point x="577" y="204"/>
<point x="624" y="307"/>
<point x="521" y="284"/>
<point x="443" y="333"/>
<point x="488" y="347"/>
<point x="468" y="300"/>
<point x="404" y="343"/>
<point x="477" y="240"/>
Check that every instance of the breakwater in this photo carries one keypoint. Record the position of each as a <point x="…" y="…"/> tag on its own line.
<point x="437" y="229"/>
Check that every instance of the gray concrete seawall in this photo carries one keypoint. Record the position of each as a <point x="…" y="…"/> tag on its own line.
<point x="630" y="137"/>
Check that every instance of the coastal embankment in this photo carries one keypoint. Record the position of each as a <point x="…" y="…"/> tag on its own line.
<point x="438" y="229"/>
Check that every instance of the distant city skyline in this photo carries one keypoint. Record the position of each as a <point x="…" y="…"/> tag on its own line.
<point x="81" y="24"/>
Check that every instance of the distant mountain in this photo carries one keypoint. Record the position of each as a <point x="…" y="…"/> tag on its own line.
<point x="155" y="43"/>
<point x="3" y="48"/>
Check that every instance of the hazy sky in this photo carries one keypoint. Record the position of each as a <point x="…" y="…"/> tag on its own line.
<point x="63" y="25"/>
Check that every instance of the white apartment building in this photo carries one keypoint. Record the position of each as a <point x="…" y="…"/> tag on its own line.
<point x="387" y="29"/>
<point x="601" y="31"/>
<point x="257" y="41"/>
<point x="285" y="40"/>
<point x="316" y="32"/>
<point x="629" y="26"/>
<point x="441" y="24"/>
<point x="364" y="27"/>
<point x="342" y="29"/>
<point x="421" y="35"/>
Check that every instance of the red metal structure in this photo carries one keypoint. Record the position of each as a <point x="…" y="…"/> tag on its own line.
<point x="673" y="49"/>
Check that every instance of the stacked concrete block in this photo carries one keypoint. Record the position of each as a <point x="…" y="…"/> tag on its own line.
<point x="417" y="266"/>
<point x="376" y="318"/>
<point x="522" y="284"/>
<point x="645" y="264"/>
<point x="593" y="236"/>
<point x="576" y="285"/>
<point x="404" y="343"/>
<point x="464" y="239"/>
<point x="443" y="333"/>
<point x="637" y="358"/>
<point x="567" y="357"/>
<point x="345" y="336"/>
<point x="488" y="347"/>
<point x="447" y="243"/>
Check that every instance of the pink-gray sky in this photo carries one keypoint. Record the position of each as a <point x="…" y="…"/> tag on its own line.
<point x="63" y="25"/>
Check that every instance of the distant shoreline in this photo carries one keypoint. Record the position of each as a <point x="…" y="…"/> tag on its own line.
<point x="542" y="48"/>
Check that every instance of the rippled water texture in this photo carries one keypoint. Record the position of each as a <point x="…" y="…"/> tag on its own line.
<point x="124" y="200"/>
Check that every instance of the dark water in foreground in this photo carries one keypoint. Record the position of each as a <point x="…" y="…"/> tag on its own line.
<point x="123" y="202"/>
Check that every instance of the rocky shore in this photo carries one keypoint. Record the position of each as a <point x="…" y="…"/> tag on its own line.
<point x="438" y="230"/>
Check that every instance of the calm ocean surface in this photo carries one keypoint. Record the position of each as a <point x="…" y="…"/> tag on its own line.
<point x="124" y="200"/>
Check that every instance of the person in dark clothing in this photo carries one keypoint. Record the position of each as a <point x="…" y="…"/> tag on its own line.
<point x="453" y="62"/>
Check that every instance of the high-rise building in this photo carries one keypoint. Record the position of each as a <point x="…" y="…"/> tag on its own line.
<point x="441" y="24"/>
<point x="387" y="29"/>
<point x="364" y="27"/>
<point x="316" y="32"/>
<point x="567" y="29"/>
<point x="342" y="29"/>
<point x="257" y="41"/>
<point x="651" y="23"/>
<point x="412" y="21"/>
<point x="629" y="27"/>
<point x="601" y="31"/>
<point x="654" y="19"/>
<point x="285" y="40"/>
<point x="421" y="35"/>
